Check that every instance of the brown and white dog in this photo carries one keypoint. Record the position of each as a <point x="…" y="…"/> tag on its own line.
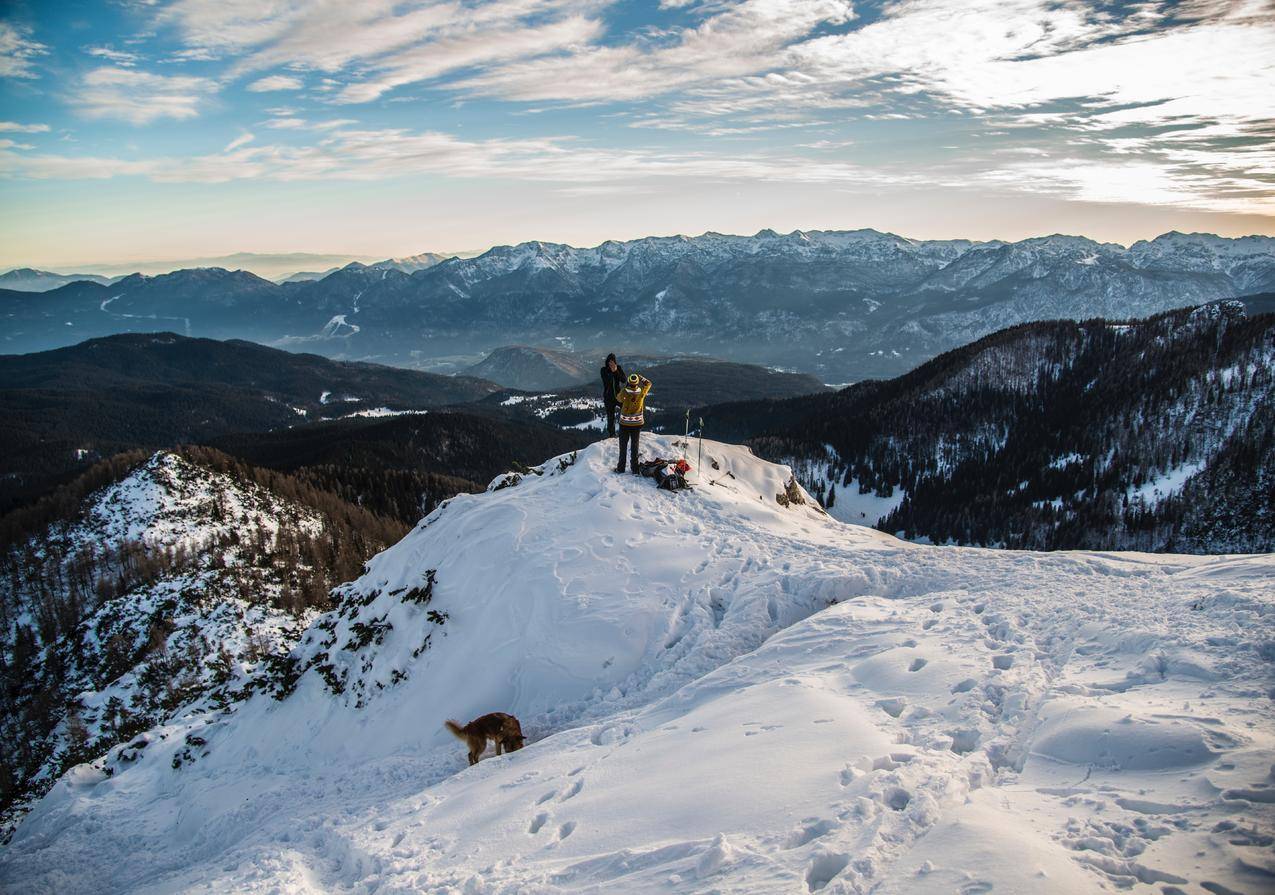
<point x="503" y="729"/>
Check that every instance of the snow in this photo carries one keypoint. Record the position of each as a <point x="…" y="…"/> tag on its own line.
<point x="863" y="509"/>
<point x="1166" y="485"/>
<point x="333" y="328"/>
<point x="169" y="504"/>
<point x="722" y="693"/>
<point x="378" y="412"/>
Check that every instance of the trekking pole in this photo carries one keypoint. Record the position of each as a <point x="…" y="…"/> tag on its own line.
<point x="699" y="459"/>
<point x="686" y="436"/>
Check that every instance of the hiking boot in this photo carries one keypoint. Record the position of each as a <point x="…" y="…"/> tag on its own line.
<point x="619" y="469"/>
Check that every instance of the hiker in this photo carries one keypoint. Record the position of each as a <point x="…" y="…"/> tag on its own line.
<point x="612" y="383"/>
<point x="632" y="402"/>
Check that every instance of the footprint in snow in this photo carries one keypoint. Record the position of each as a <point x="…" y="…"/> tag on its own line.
<point x="812" y="828"/>
<point x="573" y="791"/>
<point x="1002" y="662"/>
<point x="537" y="823"/>
<point x="823" y="868"/>
<point x="897" y="797"/>
<point x="918" y="664"/>
<point x="566" y="829"/>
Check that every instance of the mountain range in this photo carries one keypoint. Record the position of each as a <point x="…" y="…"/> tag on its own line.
<point x="27" y="279"/>
<point x="842" y="305"/>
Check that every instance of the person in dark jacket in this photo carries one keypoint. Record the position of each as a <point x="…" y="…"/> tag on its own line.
<point x="613" y="380"/>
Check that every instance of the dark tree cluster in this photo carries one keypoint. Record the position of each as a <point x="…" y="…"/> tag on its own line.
<point x="78" y="613"/>
<point x="403" y="467"/>
<point x="1044" y="435"/>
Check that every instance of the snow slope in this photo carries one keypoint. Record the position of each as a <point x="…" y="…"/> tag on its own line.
<point x="723" y="693"/>
<point x="188" y="629"/>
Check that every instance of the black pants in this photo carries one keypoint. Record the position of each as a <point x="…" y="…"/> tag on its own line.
<point x="629" y="436"/>
<point x="612" y="409"/>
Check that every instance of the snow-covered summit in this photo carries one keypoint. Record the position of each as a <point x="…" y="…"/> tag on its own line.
<point x="724" y="689"/>
<point x="171" y="502"/>
<point x="166" y="585"/>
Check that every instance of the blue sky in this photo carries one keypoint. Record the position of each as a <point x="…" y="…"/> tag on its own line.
<point x="133" y="130"/>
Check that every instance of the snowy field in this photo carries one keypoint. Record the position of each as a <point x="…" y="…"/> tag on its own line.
<point x="722" y="694"/>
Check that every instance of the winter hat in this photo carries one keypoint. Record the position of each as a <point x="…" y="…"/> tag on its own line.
<point x="610" y="357"/>
<point x="634" y="379"/>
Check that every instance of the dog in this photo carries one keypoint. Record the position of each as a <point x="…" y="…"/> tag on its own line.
<point x="502" y="729"/>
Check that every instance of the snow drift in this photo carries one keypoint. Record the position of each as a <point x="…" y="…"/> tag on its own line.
<point x="725" y="690"/>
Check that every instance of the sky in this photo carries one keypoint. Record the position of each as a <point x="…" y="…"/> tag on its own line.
<point x="139" y="130"/>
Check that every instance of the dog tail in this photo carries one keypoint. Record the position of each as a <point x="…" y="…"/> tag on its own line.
<point x="455" y="728"/>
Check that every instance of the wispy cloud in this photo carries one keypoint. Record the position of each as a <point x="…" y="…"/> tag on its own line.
<point x="736" y="41"/>
<point x="1161" y="103"/>
<point x="140" y="97"/>
<point x="276" y="82"/>
<point x="377" y="154"/>
<point x="110" y="54"/>
<point x="378" y="45"/>
<point x="18" y="51"/>
<point x="13" y="127"/>
<point x="469" y="48"/>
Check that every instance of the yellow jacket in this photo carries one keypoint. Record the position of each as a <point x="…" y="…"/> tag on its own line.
<point x="632" y="402"/>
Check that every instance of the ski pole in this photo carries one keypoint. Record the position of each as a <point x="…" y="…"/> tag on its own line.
<point x="699" y="459"/>
<point x="686" y="436"/>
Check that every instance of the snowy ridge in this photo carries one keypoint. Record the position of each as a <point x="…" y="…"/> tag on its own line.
<point x="176" y="615"/>
<point x="724" y="691"/>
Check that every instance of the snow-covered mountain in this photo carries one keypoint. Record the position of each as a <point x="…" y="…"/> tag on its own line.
<point x="1155" y="434"/>
<point x="845" y="305"/>
<point x="158" y="598"/>
<point x="26" y="279"/>
<point x="411" y="263"/>
<point x="724" y="690"/>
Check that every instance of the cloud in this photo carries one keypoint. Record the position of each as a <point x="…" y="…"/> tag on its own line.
<point x="389" y="153"/>
<point x="194" y="54"/>
<point x="13" y="127"/>
<point x="118" y="57"/>
<point x="18" y="51"/>
<point x="739" y="40"/>
<point x="285" y="123"/>
<point x="275" y="82"/>
<point x="377" y="35"/>
<point x="332" y="123"/>
<point x="1140" y="183"/>
<point x="475" y="48"/>
<point x="241" y="140"/>
<point x="140" y="97"/>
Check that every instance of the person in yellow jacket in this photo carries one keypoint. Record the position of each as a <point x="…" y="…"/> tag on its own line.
<point x="632" y="399"/>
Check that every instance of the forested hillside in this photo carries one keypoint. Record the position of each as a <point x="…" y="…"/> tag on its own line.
<point x="68" y="408"/>
<point x="1149" y="435"/>
<point x="402" y="467"/>
<point x="153" y="584"/>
